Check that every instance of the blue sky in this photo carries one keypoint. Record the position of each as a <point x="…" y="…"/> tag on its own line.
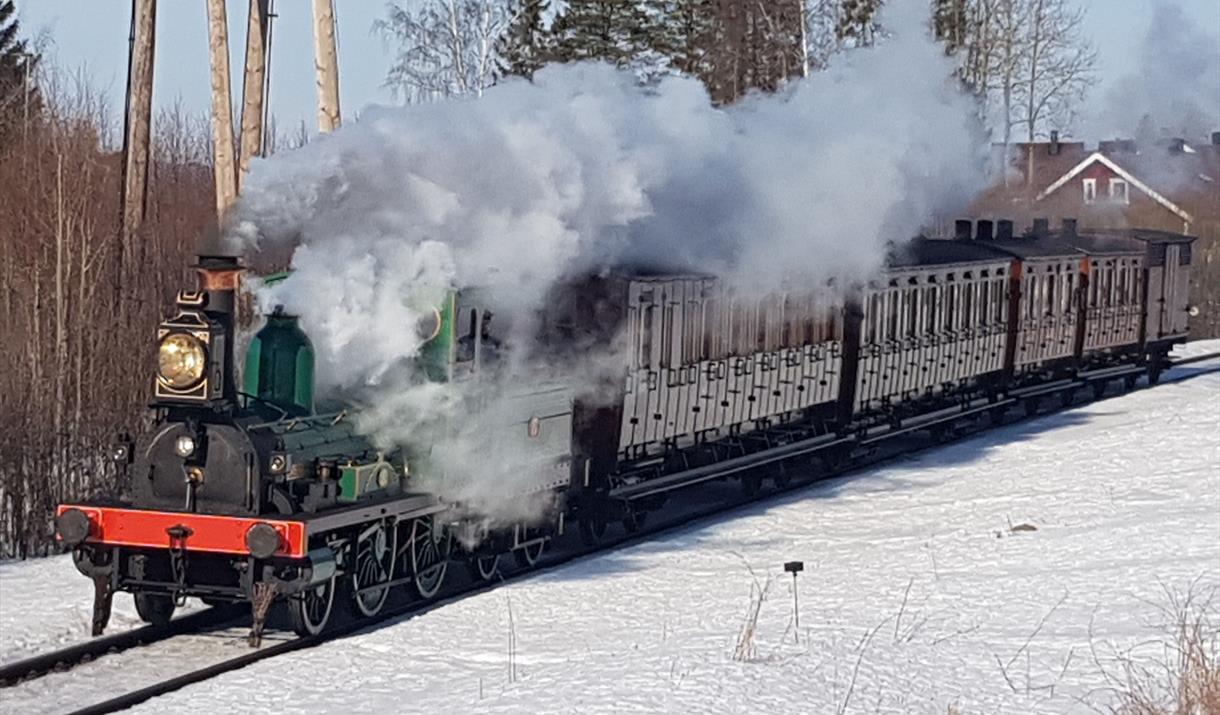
<point x="92" y="34"/>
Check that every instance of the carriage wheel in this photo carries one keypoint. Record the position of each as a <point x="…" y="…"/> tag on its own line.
<point x="997" y="415"/>
<point x="751" y="484"/>
<point x="485" y="568"/>
<point x="1129" y="382"/>
<point x="634" y="521"/>
<point x="1066" y="397"/>
<point x="592" y="529"/>
<point x="155" y="608"/>
<point x="309" y="611"/>
<point x="1031" y="406"/>
<point x="374" y="565"/>
<point x="1099" y="389"/>
<point x="430" y="546"/>
<point x="782" y="477"/>
<point x="527" y="556"/>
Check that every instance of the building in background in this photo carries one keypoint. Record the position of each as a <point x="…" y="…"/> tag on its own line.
<point x="1170" y="185"/>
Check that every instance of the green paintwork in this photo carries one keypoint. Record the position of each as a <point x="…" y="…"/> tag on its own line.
<point x="280" y="365"/>
<point x="436" y="355"/>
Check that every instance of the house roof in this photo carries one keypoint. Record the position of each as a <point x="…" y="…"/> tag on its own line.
<point x="1098" y="157"/>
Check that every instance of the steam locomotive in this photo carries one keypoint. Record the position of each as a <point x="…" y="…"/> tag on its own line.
<point x="256" y="495"/>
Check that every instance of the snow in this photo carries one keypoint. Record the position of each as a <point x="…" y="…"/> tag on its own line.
<point x="918" y="592"/>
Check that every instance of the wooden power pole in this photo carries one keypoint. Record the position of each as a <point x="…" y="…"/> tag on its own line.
<point x="326" y="63"/>
<point x="254" y="86"/>
<point x="225" y="169"/>
<point x="138" y="130"/>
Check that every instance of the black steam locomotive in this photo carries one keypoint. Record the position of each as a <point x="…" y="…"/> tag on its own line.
<point x="254" y="495"/>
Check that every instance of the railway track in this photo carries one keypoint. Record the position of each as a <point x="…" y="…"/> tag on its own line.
<point x="567" y="548"/>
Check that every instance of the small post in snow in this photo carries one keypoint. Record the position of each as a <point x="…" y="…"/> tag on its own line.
<point x="795" y="567"/>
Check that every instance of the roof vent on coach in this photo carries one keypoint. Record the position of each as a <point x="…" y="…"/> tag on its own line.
<point x="962" y="229"/>
<point x="983" y="230"/>
<point x="1042" y="227"/>
<point x="1069" y="227"/>
<point x="1004" y="230"/>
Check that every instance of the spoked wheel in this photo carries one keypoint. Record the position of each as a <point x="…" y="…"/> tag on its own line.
<point x="430" y="545"/>
<point x="155" y="608"/>
<point x="527" y="556"/>
<point x="485" y="568"/>
<point x="374" y="565"/>
<point x="309" y="610"/>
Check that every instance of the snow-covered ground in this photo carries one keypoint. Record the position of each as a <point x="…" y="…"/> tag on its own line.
<point x="998" y="574"/>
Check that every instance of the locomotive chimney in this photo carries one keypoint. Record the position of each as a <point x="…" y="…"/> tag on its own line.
<point x="962" y="228"/>
<point x="219" y="279"/>
<point x="1004" y="230"/>
<point x="983" y="230"/>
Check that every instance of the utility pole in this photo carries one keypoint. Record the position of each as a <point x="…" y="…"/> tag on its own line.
<point x="327" y="64"/>
<point x="222" y="109"/>
<point x="254" y="86"/>
<point x="136" y="135"/>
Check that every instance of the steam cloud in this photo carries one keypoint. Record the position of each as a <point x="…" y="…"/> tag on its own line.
<point x="1176" y="91"/>
<point x="581" y="170"/>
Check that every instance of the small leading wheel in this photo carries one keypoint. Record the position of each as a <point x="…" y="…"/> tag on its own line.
<point x="374" y="565"/>
<point x="485" y="568"/>
<point x="527" y="556"/>
<point x="309" y="610"/>
<point x="154" y="608"/>
<point x="430" y="546"/>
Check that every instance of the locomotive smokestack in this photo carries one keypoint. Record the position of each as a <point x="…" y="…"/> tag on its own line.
<point x="219" y="279"/>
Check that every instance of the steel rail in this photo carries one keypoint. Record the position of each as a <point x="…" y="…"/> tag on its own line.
<point x="552" y="561"/>
<point x="34" y="666"/>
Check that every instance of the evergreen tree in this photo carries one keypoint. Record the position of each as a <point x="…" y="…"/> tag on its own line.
<point x="17" y="95"/>
<point x="525" y="45"/>
<point x="857" y="21"/>
<point x="684" y="32"/>
<point x="617" y="31"/>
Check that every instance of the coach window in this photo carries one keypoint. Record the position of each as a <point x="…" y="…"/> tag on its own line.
<point x="1050" y="294"/>
<point x="468" y="335"/>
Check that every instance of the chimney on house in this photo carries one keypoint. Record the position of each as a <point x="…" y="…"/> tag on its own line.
<point x="962" y="228"/>
<point x="983" y="230"/>
<point x="1003" y="230"/>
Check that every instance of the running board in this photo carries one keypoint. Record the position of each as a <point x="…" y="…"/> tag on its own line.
<point x="947" y="415"/>
<point x="728" y="467"/>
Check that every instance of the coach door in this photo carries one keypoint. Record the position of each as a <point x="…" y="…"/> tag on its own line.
<point x="1167" y="289"/>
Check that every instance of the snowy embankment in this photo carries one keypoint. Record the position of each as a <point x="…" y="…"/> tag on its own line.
<point x="1004" y="573"/>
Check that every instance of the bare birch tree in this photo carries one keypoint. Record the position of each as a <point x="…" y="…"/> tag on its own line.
<point x="445" y="48"/>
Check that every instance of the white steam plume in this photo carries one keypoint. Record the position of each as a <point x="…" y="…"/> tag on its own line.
<point x="1175" y="92"/>
<point x="580" y="170"/>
